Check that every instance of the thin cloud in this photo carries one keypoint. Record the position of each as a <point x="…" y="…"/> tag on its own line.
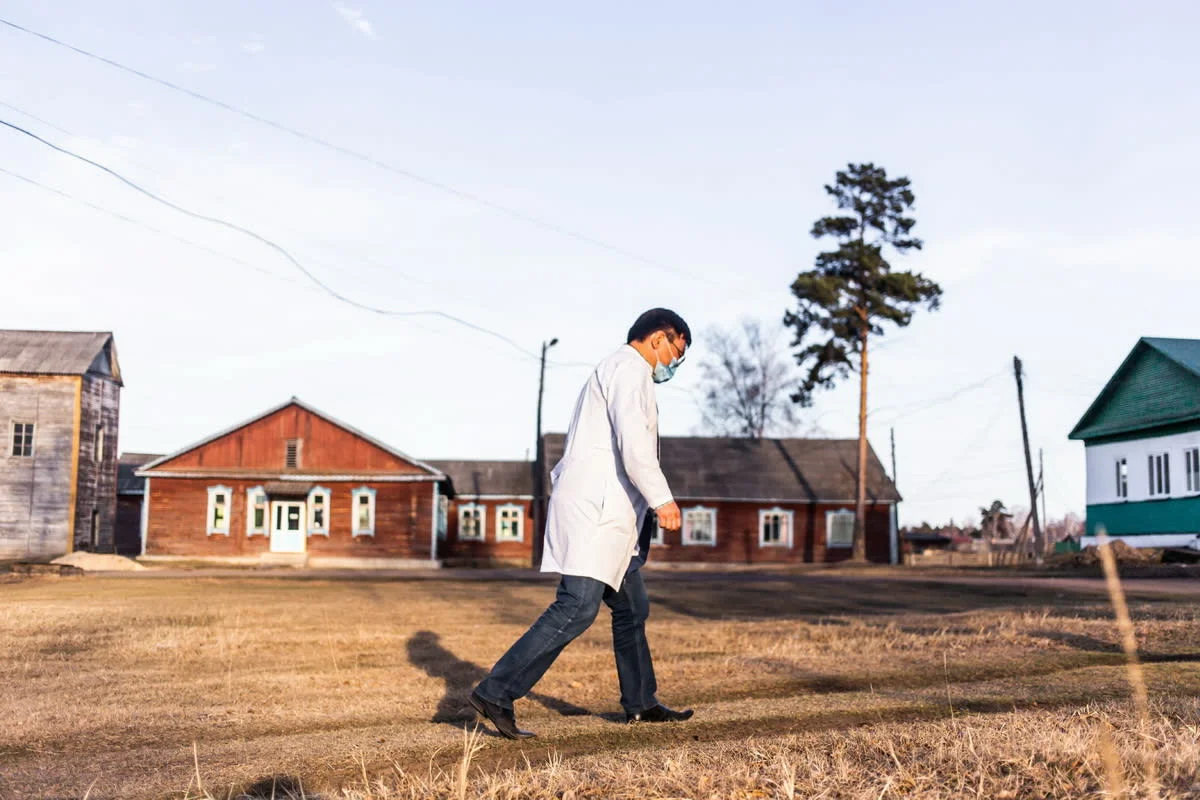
<point x="253" y="46"/>
<point x="355" y="19"/>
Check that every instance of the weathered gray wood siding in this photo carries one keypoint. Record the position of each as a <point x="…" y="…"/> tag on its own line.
<point x="97" y="487"/>
<point x="35" y="493"/>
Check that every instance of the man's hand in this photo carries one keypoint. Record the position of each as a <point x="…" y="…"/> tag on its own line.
<point x="669" y="518"/>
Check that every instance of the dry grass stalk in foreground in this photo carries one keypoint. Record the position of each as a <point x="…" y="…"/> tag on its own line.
<point x="1037" y="754"/>
<point x="1137" y="675"/>
<point x="786" y="674"/>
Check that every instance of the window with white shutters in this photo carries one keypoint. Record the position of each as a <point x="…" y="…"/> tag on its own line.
<point x="700" y="526"/>
<point x="218" y="510"/>
<point x="775" y="528"/>
<point x="471" y="519"/>
<point x="839" y="529"/>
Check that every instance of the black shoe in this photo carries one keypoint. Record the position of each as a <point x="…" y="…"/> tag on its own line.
<point x="659" y="713"/>
<point x="499" y="716"/>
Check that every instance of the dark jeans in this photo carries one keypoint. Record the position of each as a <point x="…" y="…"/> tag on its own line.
<point x="572" y="613"/>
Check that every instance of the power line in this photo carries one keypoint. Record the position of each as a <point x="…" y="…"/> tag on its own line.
<point x="978" y="440"/>
<point x="205" y="248"/>
<point x="909" y="409"/>
<point x="140" y="224"/>
<point x="269" y="243"/>
<point x="134" y="161"/>
<point x="389" y="269"/>
<point x="35" y="118"/>
<point x="408" y="174"/>
<point x="182" y="240"/>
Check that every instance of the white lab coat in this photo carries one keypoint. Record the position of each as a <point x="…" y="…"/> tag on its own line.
<point x="609" y="475"/>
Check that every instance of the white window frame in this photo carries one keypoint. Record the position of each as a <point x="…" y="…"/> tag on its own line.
<point x="213" y="529"/>
<point x="251" y="493"/>
<point x="658" y="539"/>
<point x="12" y="439"/>
<point x="520" y="511"/>
<point x="327" y="496"/>
<point x="1122" y="478"/>
<point x="98" y="444"/>
<point x="481" y="510"/>
<point x="841" y="513"/>
<point x="784" y="513"/>
<point x="688" y="539"/>
<point x="362" y="491"/>
<point x="1159" y="465"/>
<point x="1191" y="463"/>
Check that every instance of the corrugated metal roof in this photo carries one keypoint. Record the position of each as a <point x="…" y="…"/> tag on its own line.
<point x="1157" y="385"/>
<point x="58" y="353"/>
<point x="784" y="470"/>
<point x="498" y="478"/>
<point x="1184" y="352"/>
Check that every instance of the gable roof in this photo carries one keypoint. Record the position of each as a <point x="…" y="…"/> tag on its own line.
<point x="769" y="470"/>
<point x="59" y="353"/>
<point x="295" y="401"/>
<point x="1158" y="384"/>
<point x="489" y="478"/>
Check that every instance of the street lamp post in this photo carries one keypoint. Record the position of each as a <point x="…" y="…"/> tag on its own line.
<point x="539" y="466"/>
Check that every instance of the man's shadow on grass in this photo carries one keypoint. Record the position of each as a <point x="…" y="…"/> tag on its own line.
<point x="425" y="651"/>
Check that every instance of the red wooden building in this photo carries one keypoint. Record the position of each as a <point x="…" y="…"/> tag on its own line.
<point x="490" y="516"/>
<point x="292" y="485"/>
<point x="768" y="501"/>
<point x="296" y="486"/>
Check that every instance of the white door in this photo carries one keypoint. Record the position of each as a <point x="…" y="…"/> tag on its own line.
<point x="287" y="527"/>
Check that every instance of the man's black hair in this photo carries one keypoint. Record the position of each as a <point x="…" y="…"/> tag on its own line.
<point x="658" y="319"/>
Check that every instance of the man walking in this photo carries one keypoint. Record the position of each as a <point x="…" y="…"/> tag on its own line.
<point x="605" y="487"/>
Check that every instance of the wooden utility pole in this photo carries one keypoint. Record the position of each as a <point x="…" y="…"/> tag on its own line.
<point x="1042" y="490"/>
<point x="1038" y="545"/>
<point x="859" y="551"/>
<point x="893" y="431"/>
<point x="539" y="466"/>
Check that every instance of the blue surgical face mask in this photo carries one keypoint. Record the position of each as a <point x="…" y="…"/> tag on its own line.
<point x="664" y="372"/>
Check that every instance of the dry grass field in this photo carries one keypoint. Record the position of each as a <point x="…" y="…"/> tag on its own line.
<point x="804" y="685"/>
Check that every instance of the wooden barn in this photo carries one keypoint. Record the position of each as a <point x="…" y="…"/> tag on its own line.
<point x="60" y="401"/>
<point x="292" y="485"/>
<point x="768" y="501"/>
<point x="489" y="517"/>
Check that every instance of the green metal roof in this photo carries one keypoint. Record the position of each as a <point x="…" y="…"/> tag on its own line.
<point x="1157" y="385"/>
<point x="1184" y="352"/>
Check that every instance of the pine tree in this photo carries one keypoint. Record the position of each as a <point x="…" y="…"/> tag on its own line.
<point x="853" y="291"/>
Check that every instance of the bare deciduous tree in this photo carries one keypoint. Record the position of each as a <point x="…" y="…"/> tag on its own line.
<point x="746" y="382"/>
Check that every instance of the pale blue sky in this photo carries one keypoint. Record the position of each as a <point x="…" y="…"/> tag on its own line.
<point x="1051" y="146"/>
